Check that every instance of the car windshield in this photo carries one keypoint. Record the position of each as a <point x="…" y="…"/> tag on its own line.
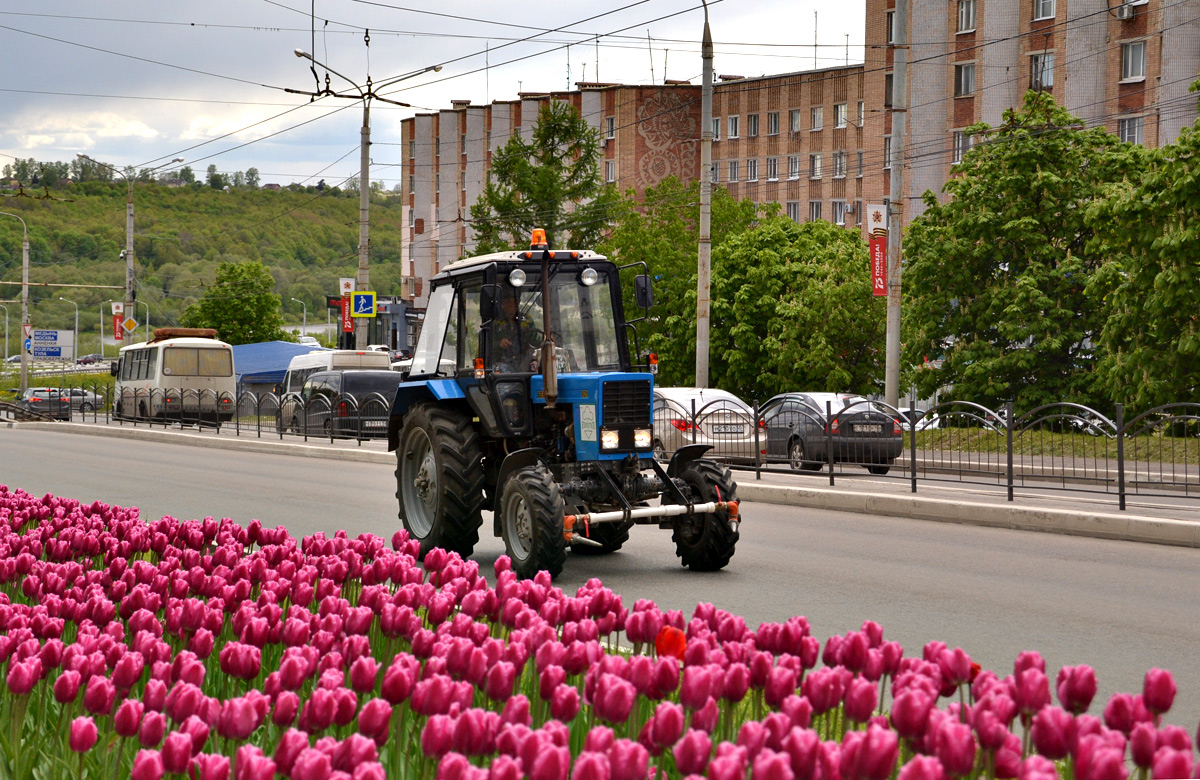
<point x="712" y="399"/>
<point x="863" y="404"/>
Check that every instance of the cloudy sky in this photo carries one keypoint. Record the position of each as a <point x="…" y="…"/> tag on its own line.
<point x="139" y="82"/>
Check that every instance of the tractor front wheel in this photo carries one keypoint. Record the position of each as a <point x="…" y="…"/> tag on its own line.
<point x="705" y="542"/>
<point x="531" y="520"/>
<point x="439" y="479"/>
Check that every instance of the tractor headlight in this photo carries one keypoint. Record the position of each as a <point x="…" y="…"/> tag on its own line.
<point x="641" y="438"/>
<point x="588" y="277"/>
<point x="516" y="278"/>
<point x="609" y="440"/>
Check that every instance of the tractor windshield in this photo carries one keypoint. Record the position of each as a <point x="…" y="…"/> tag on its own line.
<point x="582" y="322"/>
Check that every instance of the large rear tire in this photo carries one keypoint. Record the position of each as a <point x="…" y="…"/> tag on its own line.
<point x="531" y="521"/>
<point x="611" y="537"/>
<point x="705" y="542"/>
<point x="439" y="479"/>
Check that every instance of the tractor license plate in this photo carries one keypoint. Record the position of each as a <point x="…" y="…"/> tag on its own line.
<point x="735" y="430"/>
<point x="868" y="428"/>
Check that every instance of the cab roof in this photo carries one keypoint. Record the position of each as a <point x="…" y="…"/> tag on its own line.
<point x="520" y="256"/>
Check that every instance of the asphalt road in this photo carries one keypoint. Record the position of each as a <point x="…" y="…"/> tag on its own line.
<point x="1122" y="607"/>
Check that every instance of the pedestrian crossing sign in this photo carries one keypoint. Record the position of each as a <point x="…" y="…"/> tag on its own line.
<point x="362" y="304"/>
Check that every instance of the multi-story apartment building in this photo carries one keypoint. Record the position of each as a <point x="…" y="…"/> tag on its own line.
<point x="1125" y="66"/>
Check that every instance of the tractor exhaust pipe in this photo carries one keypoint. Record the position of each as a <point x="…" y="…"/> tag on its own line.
<point x="549" y="359"/>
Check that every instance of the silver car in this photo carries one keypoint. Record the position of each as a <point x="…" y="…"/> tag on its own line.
<point x="689" y="415"/>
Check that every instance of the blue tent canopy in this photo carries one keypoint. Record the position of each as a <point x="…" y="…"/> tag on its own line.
<point x="267" y="361"/>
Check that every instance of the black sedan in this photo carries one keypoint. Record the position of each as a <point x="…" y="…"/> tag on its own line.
<point x="857" y="431"/>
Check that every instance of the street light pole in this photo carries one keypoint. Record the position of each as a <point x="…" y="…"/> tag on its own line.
<point x="2" y="306"/>
<point x="147" y="336"/>
<point x="76" y="347"/>
<point x="128" y="253"/>
<point x="304" y="325"/>
<point x="363" y="280"/>
<point x="24" y="300"/>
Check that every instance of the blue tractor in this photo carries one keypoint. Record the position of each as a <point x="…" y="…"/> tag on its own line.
<point x="522" y="399"/>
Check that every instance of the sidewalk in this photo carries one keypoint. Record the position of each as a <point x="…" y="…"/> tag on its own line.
<point x="1159" y="521"/>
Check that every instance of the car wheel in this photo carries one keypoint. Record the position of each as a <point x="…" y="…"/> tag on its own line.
<point x="86" y="408"/>
<point x="796" y="454"/>
<point x="660" y="452"/>
<point x="295" y="425"/>
<point x="879" y="470"/>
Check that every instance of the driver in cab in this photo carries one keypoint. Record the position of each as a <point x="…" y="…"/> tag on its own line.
<point x="514" y="336"/>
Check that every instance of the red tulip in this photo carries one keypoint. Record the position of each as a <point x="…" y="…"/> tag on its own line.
<point x="670" y="641"/>
<point x="83" y="734"/>
<point x="147" y="765"/>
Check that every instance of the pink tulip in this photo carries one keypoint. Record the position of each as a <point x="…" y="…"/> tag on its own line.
<point x="238" y="719"/>
<point x="363" y="674"/>
<point x="66" y="687"/>
<point x="99" y="696"/>
<point x="628" y="760"/>
<point x="552" y="763"/>
<point x="614" y="699"/>
<point x="251" y="764"/>
<point x="290" y="745"/>
<point x="1170" y="763"/>
<point x="955" y="666"/>
<point x="922" y="768"/>
<point x="83" y="734"/>
<point x="1076" y="687"/>
<point x="860" y="701"/>
<point x="692" y="752"/>
<point x="211" y="767"/>
<point x="311" y="765"/>
<point x="374" y="720"/>
<point x="516" y="710"/>
<point x="768" y="765"/>
<point x="500" y="680"/>
<point x="696" y="686"/>
<point x="872" y="754"/>
<point x="705" y="719"/>
<point x="373" y="770"/>
<point x="1121" y="713"/>
<point x="354" y="750"/>
<point x="803" y="748"/>
<point x="1029" y="659"/>
<point x="1158" y="691"/>
<point x="564" y="705"/>
<point x="147" y="765"/>
<point x="667" y="725"/>
<point x="824" y="688"/>
<point x="955" y="748"/>
<point x="287" y="705"/>
<point x="128" y="717"/>
<point x="1032" y="691"/>
<point x="177" y="752"/>
<point x="910" y="711"/>
<point x="150" y="733"/>
<point x="780" y="684"/>
<point x="1143" y="742"/>
<point x="591" y="766"/>
<point x="23" y="676"/>
<point x="1095" y="760"/>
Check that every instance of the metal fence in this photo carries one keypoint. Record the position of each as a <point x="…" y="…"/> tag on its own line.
<point x="1063" y="445"/>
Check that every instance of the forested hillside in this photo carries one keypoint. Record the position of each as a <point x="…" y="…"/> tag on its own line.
<point x="308" y="239"/>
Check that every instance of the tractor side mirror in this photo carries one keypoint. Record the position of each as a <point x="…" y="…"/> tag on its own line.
<point x="113" y="368"/>
<point x="489" y="302"/>
<point x="643" y="291"/>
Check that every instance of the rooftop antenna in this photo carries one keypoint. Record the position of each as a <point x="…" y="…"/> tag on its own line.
<point x="597" y="58"/>
<point x="665" y="53"/>
<point x="814" y="40"/>
<point x="568" y="68"/>
<point x="649" y="49"/>
<point x="487" y="86"/>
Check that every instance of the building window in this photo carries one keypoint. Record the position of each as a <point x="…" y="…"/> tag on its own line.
<point x="794" y="120"/>
<point x="962" y="144"/>
<point x="752" y="125"/>
<point x="462" y="144"/>
<point x="839" y="165"/>
<point x="862" y="113"/>
<point x="772" y="123"/>
<point x="966" y="16"/>
<point x="858" y="212"/>
<point x="610" y="127"/>
<point x="818" y="117"/>
<point x="1043" y="9"/>
<point x="716" y="128"/>
<point x="1130" y="129"/>
<point x="733" y="171"/>
<point x="814" y="210"/>
<point x="713" y="174"/>
<point x="860" y="163"/>
<point x="412" y="149"/>
<point x="751" y="170"/>
<point x="887" y="152"/>
<point x="1041" y="71"/>
<point x="610" y="170"/>
<point x="891" y="26"/>
<point x="888" y="80"/>
<point x="793" y="210"/>
<point x="772" y="169"/>
<point x="814" y="166"/>
<point x="733" y="126"/>
<point x="839" y="212"/>
<point x="1133" y="61"/>
<point x="964" y="79"/>
<point x="794" y="166"/>
<point x="839" y="115"/>
<point x="463" y="181"/>
<point x="412" y="218"/>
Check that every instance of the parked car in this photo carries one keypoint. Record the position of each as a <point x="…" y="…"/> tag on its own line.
<point x="308" y="341"/>
<point x="346" y="404"/>
<point x="859" y="431"/>
<point x="87" y="360"/>
<point x="47" y="400"/>
<point x="83" y="401"/>
<point x="722" y="421"/>
<point x="13" y="358"/>
<point x="923" y="420"/>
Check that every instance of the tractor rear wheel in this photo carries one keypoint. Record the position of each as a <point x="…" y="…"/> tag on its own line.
<point x="611" y="536"/>
<point x="531" y="521"/>
<point x="705" y="542"/>
<point x="439" y="479"/>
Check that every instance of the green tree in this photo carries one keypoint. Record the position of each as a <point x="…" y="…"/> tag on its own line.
<point x="1150" y="343"/>
<point x="252" y="178"/>
<point x="241" y="304"/>
<point x="552" y="181"/>
<point x="662" y="229"/>
<point x="792" y="309"/>
<point x="995" y="279"/>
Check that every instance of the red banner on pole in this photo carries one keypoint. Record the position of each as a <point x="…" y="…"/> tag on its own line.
<point x="347" y="320"/>
<point x="877" y="230"/>
<point x="118" y="331"/>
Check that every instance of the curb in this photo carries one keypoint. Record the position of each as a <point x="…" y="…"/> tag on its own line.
<point x="1099" y="525"/>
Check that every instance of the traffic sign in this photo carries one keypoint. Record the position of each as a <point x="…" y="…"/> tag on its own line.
<point x="28" y="331"/>
<point x="28" y="344"/>
<point x="130" y="324"/>
<point x="362" y="304"/>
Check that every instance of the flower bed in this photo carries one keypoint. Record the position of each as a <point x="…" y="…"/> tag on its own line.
<point x="210" y="650"/>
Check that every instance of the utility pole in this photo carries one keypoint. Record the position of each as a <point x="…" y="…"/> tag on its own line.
<point x="897" y="200"/>
<point x="362" y="282"/>
<point x="24" y="301"/>
<point x="704" y="261"/>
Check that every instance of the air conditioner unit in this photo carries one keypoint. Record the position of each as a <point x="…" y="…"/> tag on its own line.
<point x="1125" y="11"/>
<point x="849" y="208"/>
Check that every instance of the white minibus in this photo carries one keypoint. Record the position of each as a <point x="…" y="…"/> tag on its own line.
<point x="184" y="374"/>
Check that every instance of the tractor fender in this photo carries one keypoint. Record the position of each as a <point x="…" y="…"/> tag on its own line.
<point x="514" y="461"/>
<point x="685" y="455"/>
<point x="409" y="393"/>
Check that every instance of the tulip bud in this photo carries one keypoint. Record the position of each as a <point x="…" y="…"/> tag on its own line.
<point x="147" y="765"/>
<point x="127" y="718"/>
<point x="177" y="752"/>
<point x="66" y="687"/>
<point x="1076" y="687"/>
<point x="150" y="733"/>
<point x="692" y="752"/>
<point x="83" y="734"/>
<point x="1158" y="691"/>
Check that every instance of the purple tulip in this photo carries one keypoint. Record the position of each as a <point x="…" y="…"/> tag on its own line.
<point x="147" y="765"/>
<point x="83" y="734"/>
<point x="1158" y="691"/>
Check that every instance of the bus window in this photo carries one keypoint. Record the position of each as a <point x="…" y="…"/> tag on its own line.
<point x="215" y="362"/>
<point x="190" y="361"/>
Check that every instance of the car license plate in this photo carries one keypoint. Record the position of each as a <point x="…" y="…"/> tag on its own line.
<point x="868" y="428"/>
<point x="728" y="429"/>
